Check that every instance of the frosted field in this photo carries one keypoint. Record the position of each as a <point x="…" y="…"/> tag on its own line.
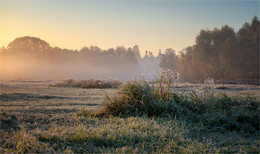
<point x="38" y="118"/>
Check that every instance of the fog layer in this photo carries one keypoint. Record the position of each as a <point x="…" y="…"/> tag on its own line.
<point x="33" y="58"/>
<point x="222" y="54"/>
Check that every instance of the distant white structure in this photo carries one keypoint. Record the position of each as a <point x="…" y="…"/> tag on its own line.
<point x="149" y="64"/>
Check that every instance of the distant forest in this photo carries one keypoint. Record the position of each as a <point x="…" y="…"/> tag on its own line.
<point x="32" y="47"/>
<point x="222" y="54"/>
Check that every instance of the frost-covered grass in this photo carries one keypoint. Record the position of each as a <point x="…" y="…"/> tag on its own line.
<point x="91" y="83"/>
<point x="57" y="119"/>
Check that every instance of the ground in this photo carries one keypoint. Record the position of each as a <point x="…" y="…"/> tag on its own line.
<point x="36" y="117"/>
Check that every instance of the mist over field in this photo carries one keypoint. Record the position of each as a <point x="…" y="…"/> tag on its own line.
<point x="33" y="58"/>
<point x="51" y="67"/>
<point x="221" y="54"/>
<point x="39" y="69"/>
<point x="129" y="76"/>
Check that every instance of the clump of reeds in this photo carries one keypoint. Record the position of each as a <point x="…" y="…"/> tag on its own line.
<point x="140" y="98"/>
<point x="91" y="83"/>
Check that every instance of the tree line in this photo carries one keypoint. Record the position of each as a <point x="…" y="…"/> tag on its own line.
<point x="32" y="47"/>
<point x="222" y="54"/>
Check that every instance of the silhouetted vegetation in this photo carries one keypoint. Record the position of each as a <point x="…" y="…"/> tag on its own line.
<point x="30" y="57"/>
<point x="31" y="47"/>
<point x="223" y="54"/>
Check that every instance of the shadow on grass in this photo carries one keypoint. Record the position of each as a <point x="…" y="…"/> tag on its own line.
<point x="26" y="96"/>
<point x="31" y="97"/>
<point x="47" y="111"/>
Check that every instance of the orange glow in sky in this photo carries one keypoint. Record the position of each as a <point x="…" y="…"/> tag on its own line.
<point x="152" y="25"/>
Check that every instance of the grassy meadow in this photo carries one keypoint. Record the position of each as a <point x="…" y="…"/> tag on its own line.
<point x="135" y="118"/>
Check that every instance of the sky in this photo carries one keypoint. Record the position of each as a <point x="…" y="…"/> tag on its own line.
<point x="152" y="25"/>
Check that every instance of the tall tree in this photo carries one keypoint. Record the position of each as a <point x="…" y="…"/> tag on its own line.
<point x="169" y="60"/>
<point x="223" y="54"/>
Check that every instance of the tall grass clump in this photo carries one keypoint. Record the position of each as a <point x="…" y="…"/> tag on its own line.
<point x="207" y="115"/>
<point x="141" y="98"/>
<point x="213" y="110"/>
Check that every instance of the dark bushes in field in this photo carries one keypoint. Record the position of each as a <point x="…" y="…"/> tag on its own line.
<point x="91" y="83"/>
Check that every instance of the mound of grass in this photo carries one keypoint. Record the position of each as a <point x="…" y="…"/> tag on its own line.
<point x="216" y="112"/>
<point x="211" y="116"/>
<point x="140" y="98"/>
<point x="131" y="99"/>
<point x="91" y="83"/>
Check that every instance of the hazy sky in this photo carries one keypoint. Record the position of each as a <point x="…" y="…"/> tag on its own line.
<point x="152" y="25"/>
